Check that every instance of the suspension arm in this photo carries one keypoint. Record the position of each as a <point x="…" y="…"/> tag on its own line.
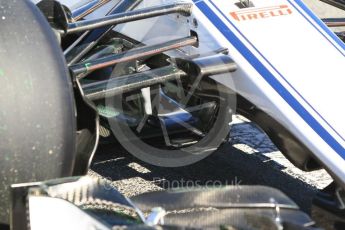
<point x="334" y="22"/>
<point x="127" y="83"/>
<point x="80" y="26"/>
<point x="199" y="67"/>
<point x="134" y="54"/>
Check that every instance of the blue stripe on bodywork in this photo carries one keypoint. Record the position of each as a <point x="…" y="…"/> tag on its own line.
<point x="278" y="72"/>
<point x="334" y="37"/>
<point x="270" y="79"/>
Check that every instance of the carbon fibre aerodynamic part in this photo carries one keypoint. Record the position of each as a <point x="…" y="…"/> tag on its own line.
<point x="101" y="206"/>
<point x="329" y="207"/>
<point x="286" y="142"/>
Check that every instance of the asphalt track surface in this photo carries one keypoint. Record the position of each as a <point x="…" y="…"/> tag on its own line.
<point x="248" y="158"/>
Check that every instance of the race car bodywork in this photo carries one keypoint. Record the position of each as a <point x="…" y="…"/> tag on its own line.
<point x="280" y="48"/>
<point x="290" y="66"/>
<point x="271" y="61"/>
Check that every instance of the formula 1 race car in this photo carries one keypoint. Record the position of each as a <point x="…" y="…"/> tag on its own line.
<point x="163" y="79"/>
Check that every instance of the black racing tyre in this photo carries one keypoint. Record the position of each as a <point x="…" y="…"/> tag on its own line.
<point x="37" y="117"/>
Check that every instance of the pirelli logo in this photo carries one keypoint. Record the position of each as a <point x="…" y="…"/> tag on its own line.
<point x="261" y="13"/>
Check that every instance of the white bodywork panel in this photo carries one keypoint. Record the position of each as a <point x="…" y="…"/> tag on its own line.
<point x="294" y="71"/>
<point x="56" y="214"/>
<point x="290" y="65"/>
